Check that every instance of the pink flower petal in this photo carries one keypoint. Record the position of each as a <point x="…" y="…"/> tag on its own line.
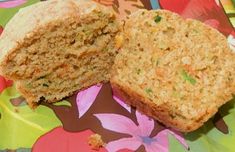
<point x="13" y="3"/>
<point x="155" y="147"/>
<point x="122" y="103"/>
<point x="4" y="83"/>
<point x="217" y="2"/>
<point x="213" y="23"/>
<point x="179" y="137"/>
<point x="162" y="138"/>
<point x="123" y="143"/>
<point x="118" y="123"/>
<point x="86" y="98"/>
<point x="146" y="125"/>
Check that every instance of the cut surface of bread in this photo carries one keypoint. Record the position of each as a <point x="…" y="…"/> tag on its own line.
<point x="55" y="47"/>
<point x="178" y="71"/>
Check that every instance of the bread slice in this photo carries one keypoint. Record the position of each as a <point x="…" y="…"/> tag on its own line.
<point x="56" y="47"/>
<point x="178" y="71"/>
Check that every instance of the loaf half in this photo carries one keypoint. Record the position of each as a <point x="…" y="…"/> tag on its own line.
<point x="55" y="47"/>
<point x="178" y="71"/>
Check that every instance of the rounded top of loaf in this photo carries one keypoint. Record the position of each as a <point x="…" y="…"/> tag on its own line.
<point x="33" y="20"/>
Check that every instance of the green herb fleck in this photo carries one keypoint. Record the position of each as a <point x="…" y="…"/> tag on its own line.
<point x="29" y="85"/>
<point x="45" y="85"/>
<point x="201" y="90"/>
<point x="148" y="90"/>
<point x="175" y="94"/>
<point x="194" y="30"/>
<point x="143" y="13"/>
<point x="187" y="77"/>
<point x="138" y="71"/>
<point x="93" y="68"/>
<point x="157" y="62"/>
<point x="100" y="14"/>
<point x="127" y="11"/>
<point x="157" y="18"/>
<point x="105" y="49"/>
<point x="41" y="77"/>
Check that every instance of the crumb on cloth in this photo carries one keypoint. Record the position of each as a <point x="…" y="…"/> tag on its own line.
<point x="96" y="142"/>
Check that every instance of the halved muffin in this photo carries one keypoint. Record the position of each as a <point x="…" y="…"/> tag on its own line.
<point x="53" y="48"/>
<point x="178" y="71"/>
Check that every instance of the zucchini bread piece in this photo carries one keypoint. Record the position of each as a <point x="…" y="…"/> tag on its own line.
<point x="178" y="71"/>
<point x="55" y="47"/>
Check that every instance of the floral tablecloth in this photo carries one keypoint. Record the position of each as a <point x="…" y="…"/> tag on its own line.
<point x="66" y="126"/>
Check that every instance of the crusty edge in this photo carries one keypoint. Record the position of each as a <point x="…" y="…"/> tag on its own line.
<point x="34" y="104"/>
<point x="161" y="112"/>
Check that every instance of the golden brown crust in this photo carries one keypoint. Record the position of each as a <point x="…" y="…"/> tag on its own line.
<point x="160" y="113"/>
<point x="31" y="97"/>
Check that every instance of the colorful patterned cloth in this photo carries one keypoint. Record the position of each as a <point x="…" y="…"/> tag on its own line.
<point x="229" y="7"/>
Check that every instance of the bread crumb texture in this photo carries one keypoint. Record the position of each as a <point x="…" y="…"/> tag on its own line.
<point x="58" y="47"/>
<point x="178" y="71"/>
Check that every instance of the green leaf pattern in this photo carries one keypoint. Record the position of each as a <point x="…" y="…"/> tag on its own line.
<point x="21" y="126"/>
